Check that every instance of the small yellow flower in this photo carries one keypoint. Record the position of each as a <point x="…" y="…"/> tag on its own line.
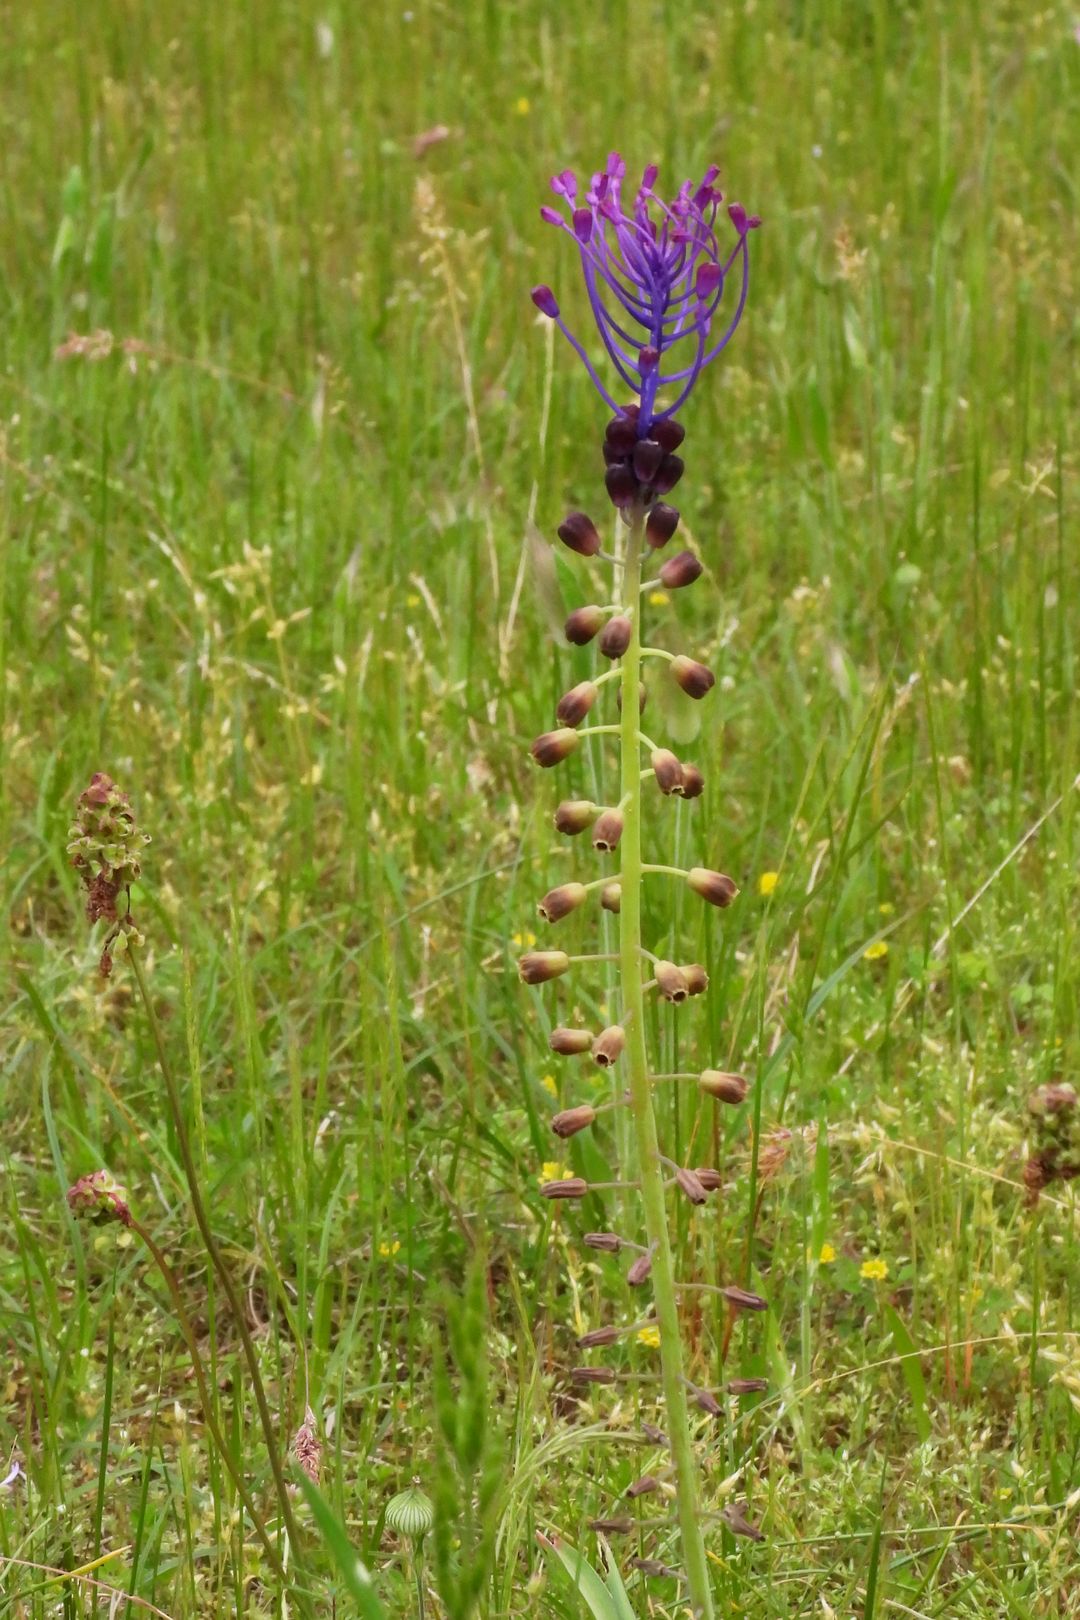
<point x="388" y="1250"/>
<point x="874" y="1270"/>
<point x="659" y="598"/>
<point x="527" y="938"/>
<point x="552" y="1172"/>
<point x="877" y="951"/>
<point x="886" y="908"/>
<point x="548" y="1083"/>
<point x="522" y="106"/>
<point x="649" y="1336"/>
<point x="412" y="600"/>
<point x="827" y="1255"/>
<point x="767" y="882"/>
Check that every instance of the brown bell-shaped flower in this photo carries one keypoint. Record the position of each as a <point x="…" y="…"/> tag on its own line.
<point x="552" y="747"/>
<point x="726" y="1088"/>
<point x="671" y="982"/>
<point x="660" y="524"/>
<point x="575" y="816"/>
<point x="609" y="1045"/>
<point x="680" y="570"/>
<point x="537" y="967"/>
<point x="693" y="677"/>
<point x="608" y="830"/>
<point x="693" y="783"/>
<point x="714" y="887"/>
<point x="611" y="897"/>
<point x="574" y="705"/>
<point x="615" y="637"/>
<point x="560" y="902"/>
<point x="571" y="1042"/>
<point x="579" y="532"/>
<point x="667" y="770"/>
<point x="583" y="624"/>
<point x="571" y="1120"/>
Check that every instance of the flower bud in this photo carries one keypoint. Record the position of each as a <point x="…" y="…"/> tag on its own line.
<point x="545" y="301"/>
<point x="621" y="434"/>
<point x="615" y="636"/>
<point x="640" y="1269"/>
<point x="667" y="474"/>
<point x="611" y="897"/>
<point x="575" y="816"/>
<point x="560" y="902"/>
<point x="552" y="747"/>
<point x="99" y="1194"/>
<point x="583" y="624"/>
<point x="748" y="1386"/>
<point x="608" y="830"/>
<point x="680" y="570"/>
<point x="573" y="1187"/>
<point x="710" y="1179"/>
<point x="572" y="1120"/>
<point x="643" y="698"/>
<point x="668" y="771"/>
<point x="611" y="1527"/>
<point x="668" y="433"/>
<point x="726" y="1088"/>
<point x="653" y="1433"/>
<point x="575" y="704"/>
<point x="598" y="1336"/>
<point x="693" y="783"/>
<point x="744" y="1301"/>
<point x="646" y="459"/>
<point x="579" y="533"/>
<point x="708" y="1403"/>
<point x="592" y="1375"/>
<point x="536" y="967"/>
<point x="693" y="677"/>
<point x="671" y="982"/>
<point x="570" y="1042"/>
<point x="606" y="1242"/>
<point x="609" y="1045"/>
<point x="660" y="524"/>
<point x="643" y="1486"/>
<point x="691" y="1186"/>
<point x="714" y="887"/>
<point x="621" y="485"/>
<point x="697" y="980"/>
<point x="654" y="1569"/>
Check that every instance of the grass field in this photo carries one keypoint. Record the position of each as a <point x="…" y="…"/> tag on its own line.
<point x="283" y="449"/>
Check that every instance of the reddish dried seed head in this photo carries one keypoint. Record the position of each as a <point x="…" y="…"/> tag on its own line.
<point x="710" y="1179"/>
<point x="690" y="1185"/>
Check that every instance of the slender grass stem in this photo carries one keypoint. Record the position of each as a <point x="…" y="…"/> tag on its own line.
<point x="648" y="1149"/>
<point x="214" y="1253"/>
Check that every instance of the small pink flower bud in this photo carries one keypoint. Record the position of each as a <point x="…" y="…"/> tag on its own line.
<point x="643" y="1486"/>
<point x="697" y="980"/>
<point x="660" y="524"/>
<point x="572" y="1120"/>
<point x="680" y="570"/>
<point x="615" y="637"/>
<point x="575" y="816"/>
<point x="671" y="982"/>
<point x="667" y="770"/>
<point x="693" y="784"/>
<point x="592" y="1375"/>
<point x="726" y="1088"/>
<point x="583" y="624"/>
<point x="575" y="704"/>
<point x="598" y="1337"/>
<point x="552" y="747"/>
<point x="714" y="887"/>
<point x="606" y="1242"/>
<point x="710" y="1179"/>
<point x="693" y="677"/>
<point x="637" y="1273"/>
<point x="573" y="1187"/>
<point x="691" y="1186"/>
<point x="580" y="533"/>
<point x="743" y="1300"/>
<point x="608" y="830"/>
<point x="571" y="1042"/>
<point x="537" y="967"/>
<point x="609" y="1045"/>
<point x="560" y="902"/>
<point x="611" y="897"/>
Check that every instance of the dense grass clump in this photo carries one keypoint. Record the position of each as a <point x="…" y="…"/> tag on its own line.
<point x="283" y="452"/>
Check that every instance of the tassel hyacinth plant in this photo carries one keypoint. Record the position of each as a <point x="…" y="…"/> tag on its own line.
<point x="666" y="295"/>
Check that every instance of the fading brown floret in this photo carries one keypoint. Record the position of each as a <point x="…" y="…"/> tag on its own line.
<point x="306" y="1447"/>
<point x="695" y="679"/>
<point x="715" y="887"/>
<point x="574" y="705"/>
<point x="571" y="1042"/>
<point x="693" y="785"/>
<point x="607" y="831"/>
<point x="615" y="637"/>
<point x="560" y="902"/>
<point x="572" y="1120"/>
<point x="611" y="897"/>
<point x="609" y="1045"/>
<point x="571" y="1187"/>
<point x="671" y="982"/>
<point x="100" y="1195"/>
<point x="667" y="770"/>
<point x="583" y="624"/>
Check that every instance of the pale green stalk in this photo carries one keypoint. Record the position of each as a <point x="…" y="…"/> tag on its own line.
<point x="650" y="1167"/>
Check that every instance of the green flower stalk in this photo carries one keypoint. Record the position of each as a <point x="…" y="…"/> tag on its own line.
<point x="658" y="286"/>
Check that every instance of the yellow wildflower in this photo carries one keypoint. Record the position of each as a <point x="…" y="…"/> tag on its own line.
<point x="827" y="1255"/>
<point x="412" y="600"/>
<point x="548" y="1083"/>
<point x="886" y="908"/>
<point x="388" y="1250"/>
<point x="649" y="1336"/>
<point x="767" y="882"/>
<point x="877" y="951"/>
<point x="527" y="938"/>
<point x="658" y="598"/>
<point x="874" y="1270"/>
<point x="522" y="106"/>
<point x="551" y="1171"/>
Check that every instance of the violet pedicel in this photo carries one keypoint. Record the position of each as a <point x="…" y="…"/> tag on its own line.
<point x="666" y="296"/>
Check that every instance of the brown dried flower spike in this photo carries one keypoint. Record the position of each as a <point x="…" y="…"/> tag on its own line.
<point x="104" y="845"/>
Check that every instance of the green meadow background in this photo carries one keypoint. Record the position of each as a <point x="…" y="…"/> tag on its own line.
<point x="283" y="446"/>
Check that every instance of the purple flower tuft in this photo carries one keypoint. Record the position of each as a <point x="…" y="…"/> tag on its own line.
<point x="656" y="276"/>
